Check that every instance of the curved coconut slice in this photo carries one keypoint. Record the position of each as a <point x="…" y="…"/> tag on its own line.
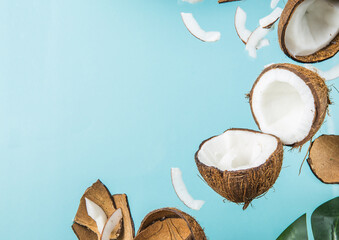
<point x="240" y="25"/>
<point x="308" y="29"/>
<point x="257" y="35"/>
<point x="181" y="190"/>
<point x="289" y="102"/>
<point x="324" y="158"/>
<point x="274" y="3"/>
<point x="111" y="223"/>
<point x="331" y="74"/>
<point x="96" y="213"/>
<point x="194" y="28"/>
<point x="166" y="222"/>
<point x="240" y="164"/>
<point x="269" y="20"/>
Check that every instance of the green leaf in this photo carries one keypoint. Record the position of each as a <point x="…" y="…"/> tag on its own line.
<point x="325" y="220"/>
<point x="296" y="231"/>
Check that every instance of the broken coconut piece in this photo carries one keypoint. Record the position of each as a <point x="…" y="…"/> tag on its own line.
<point x="84" y="233"/>
<point x="274" y="3"/>
<point x="324" y="158"/>
<point x="308" y="29"/>
<point x="225" y="1"/>
<point x="181" y="190"/>
<point x="257" y="35"/>
<point x="111" y="223"/>
<point x="194" y="28"/>
<point x="121" y="201"/>
<point x="290" y="102"/>
<point x="169" y="224"/>
<point x="96" y="213"/>
<point x="100" y="195"/>
<point x="331" y="74"/>
<point x="240" y="164"/>
<point x="269" y="20"/>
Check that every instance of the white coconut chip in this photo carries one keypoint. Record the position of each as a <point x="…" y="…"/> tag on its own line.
<point x="313" y="25"/>
<point x="331" y="74"/>
<point x="274" y="3"/>
<point x="111" y="223"/>
<point x="240" y="25"/>
<point x="96" y="213"/>
<point x="263" y="43"/>
<point x="237" y="150"/>
<point x="283" y="105"/>
<point x="192" y="1"/>
<point x="254" y="39"/>
<point x="269" y="20"/>
<point x="181" y="190"/>
<point x="194" y="28"/>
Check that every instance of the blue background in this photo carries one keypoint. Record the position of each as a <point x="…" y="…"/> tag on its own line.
<point x="121" y="91"/>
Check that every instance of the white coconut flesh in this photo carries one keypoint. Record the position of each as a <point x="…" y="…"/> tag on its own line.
<point x="283" y="105"/>
<point x="237" y="150"/>
<point x="313" y="25"/>
<point x="258" y="34"/>
<point x="194" y="28"/>
<point x="96" y="213"/>
<point x="181" y="190"/>
<point x="111" y="223"/>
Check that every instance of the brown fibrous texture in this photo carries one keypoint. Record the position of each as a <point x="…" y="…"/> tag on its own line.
<point x="195" y="230"/>
<point x="242" y="186"/>
<point x="319" y="91"/>
<point x="225" y="1"/>
<point x="84" y="233"/>
<point x="321" y="55"/>
<point x="324" y="158"/>
<point x="121" y="201"/>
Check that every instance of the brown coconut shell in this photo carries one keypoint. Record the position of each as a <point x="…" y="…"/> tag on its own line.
<point x="99" y="194"/>
<point x="319" y="91"/>
<point x="324" y="158"/>
<point x="321" y="55"/>
<point x="84" y="233"/>
<point x="225" y="1"/>
<point x="128" y="232"/>
<point x="169" y="224"/>
<point x="242" y="186"/>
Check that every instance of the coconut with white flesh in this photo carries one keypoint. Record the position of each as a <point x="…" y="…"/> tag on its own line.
<point x="290" y="102"/>
<point x="240" y="164"/>
<point x="110" y="224"/>
<point x="269" y="20"/>
<point x="96" y="213"/>
<point x="194" y="28"/>
<point x="309" y="29"/>
<point x="181" y="190"/>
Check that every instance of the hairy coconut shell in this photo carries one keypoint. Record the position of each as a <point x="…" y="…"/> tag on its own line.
<point x="84" y="233"/>
<point x="121" y="201"/>
<point x="324" y="158"/>
<point x="184" y="225"/>
<point x="242" y="186"/>
<point x="99" y="194"/>
<point x="321" y="55"/>
<point x="319" y="91"/>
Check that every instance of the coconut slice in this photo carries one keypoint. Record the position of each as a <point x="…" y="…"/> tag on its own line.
<point x="96" y="213"/>
<point x="169" y="224"/>
<point x="308" y="29"/>
<point x="240" y="164"/>
<point x="111" y="223"/>
<point x="194" y="28"/>
<point x="269" y="20"/>
<point x="263" y="43"/>
<point x="181" y="190"/>
<point x="289" y="102"/>
<point x="324" y="158"/>
<point x="254" y="39"/>
<point x="121" y="201"/>
<point x="240" y="25"/>
<point x="331" y="74"/>
<point x="274" y="3"/>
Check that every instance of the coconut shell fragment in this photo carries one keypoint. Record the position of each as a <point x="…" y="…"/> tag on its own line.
<point x="84" y="233"/>
<point x="324" y="158"/>
<point x="325" y="53"/>
<point x="169" y="224"/>
<point x="128" y="231"/>
<point x="225" y="1"/>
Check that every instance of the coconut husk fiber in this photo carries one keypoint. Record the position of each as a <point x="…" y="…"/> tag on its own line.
<point x="324" y="158"/>
<point x="319" y="91"/>
<point x="242" y="186"/>
<point x="321" y="55"/>
<point x="169" y="224"/>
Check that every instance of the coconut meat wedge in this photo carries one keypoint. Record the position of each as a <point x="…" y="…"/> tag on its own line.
<point x="310" y="27"/>
<point x="237" y="150"/>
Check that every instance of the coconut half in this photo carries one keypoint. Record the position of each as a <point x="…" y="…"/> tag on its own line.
<point x="181" y="190"/>
<point x="240" y="164"/>
<point x="324" y="158"/>
<point x="194" y="28"/>
<point x="309" y="29"/>
<point x="290" y="102"/>
<point x="169" y="224"/>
